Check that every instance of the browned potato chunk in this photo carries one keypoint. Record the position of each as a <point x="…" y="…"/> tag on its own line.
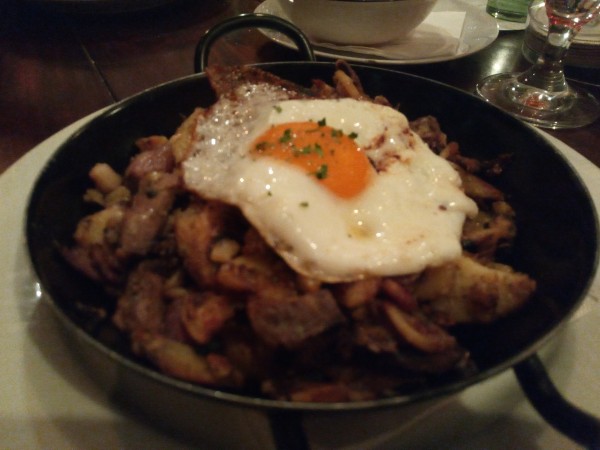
<point x="105" y="178"/>
<point x="466" y="291"/>
<point x="418" y="331"/>
<point x="353" y="295"/>
<point x="204" y="315"/>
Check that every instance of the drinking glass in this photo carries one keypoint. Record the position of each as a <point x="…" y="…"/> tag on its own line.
<point x="541" y="95"/>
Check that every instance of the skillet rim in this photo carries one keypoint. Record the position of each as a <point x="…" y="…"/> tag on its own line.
<point x="269" y="404"/>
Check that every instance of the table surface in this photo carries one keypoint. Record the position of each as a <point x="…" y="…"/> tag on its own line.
<point x="57" y="66"/>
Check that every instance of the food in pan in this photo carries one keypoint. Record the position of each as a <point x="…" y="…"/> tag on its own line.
<point x="303" y="244"/>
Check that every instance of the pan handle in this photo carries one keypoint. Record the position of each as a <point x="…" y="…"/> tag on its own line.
<point x="250" y="21"/>
<point x="578" y="425"/>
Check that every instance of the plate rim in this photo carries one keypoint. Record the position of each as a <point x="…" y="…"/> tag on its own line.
<point x="271" y="7"/>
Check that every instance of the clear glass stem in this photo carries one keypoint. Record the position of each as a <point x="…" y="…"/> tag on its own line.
<point x="548" y="73"/>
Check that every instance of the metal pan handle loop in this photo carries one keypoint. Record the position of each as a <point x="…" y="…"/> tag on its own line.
<point x="578" y="425"/>
<point x="253" y="20"/>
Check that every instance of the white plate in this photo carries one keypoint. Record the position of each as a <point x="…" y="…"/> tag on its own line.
<point x="48" y="400"/>
<point x="479" y="30"/>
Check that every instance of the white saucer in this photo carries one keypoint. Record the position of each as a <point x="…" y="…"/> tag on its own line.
<point x="479" y="30"/>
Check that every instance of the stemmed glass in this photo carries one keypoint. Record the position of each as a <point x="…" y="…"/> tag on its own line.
<point x="541" y="95"/>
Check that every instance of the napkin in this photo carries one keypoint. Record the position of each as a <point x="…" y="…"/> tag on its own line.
<point x="438" y="35"/>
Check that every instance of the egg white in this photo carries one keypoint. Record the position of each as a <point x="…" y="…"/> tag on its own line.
<point x="409" y="217"/>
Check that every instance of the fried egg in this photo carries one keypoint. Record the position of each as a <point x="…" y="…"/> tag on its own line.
<point x="341" y="189"/>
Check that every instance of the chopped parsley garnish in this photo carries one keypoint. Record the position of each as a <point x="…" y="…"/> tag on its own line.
<point x="318" y="150"/>
<point x="307" y="150"/>
<point x="304" y="204"/>
<point x="322" y="122"/>
<point x="261" y="145"/>
<point x="353" y="135"/>
<point x="286" y="136"/>
<point x="321" y="172"/>
<point x="277" y="108"/>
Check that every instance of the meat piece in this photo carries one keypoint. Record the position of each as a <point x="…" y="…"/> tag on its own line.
<point x="174" y="328"/>
<point x="286" y="319"/>
<point x="197" y="228"/>
<point x="96" y="262"/>
<point x="254" y="274"/>
<point x="148" y="213"/>
<point x="141" y="307"/>
<point x="155" y="156"/>
<point x="205" y="314"/>
<point x="467" y="291"/>
<point x="428" y="129"/>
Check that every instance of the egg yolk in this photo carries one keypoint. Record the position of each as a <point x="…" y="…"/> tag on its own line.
<point x="330" y="156"/>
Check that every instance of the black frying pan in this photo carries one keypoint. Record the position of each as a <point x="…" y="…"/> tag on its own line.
<point x="557" y="241"/>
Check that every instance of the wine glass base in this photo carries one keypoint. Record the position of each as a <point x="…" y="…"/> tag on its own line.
<point x="572" y="109"/>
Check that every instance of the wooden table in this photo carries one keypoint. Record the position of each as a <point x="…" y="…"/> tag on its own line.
<point x="57" y="67"/>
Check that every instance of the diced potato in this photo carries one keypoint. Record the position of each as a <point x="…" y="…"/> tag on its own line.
<point x="205" y="315"/>
<point x="105" y="178"/>
<point x="119" y="195"/>
<point x="353" y="295"/>
<point x="224" y="250"/>
<point x="466" y="291"/>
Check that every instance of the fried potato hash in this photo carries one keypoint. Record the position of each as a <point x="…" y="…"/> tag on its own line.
<point x="204" y="299"/>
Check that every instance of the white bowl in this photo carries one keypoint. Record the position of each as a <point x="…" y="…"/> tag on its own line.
<point x="357" y="22"/>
